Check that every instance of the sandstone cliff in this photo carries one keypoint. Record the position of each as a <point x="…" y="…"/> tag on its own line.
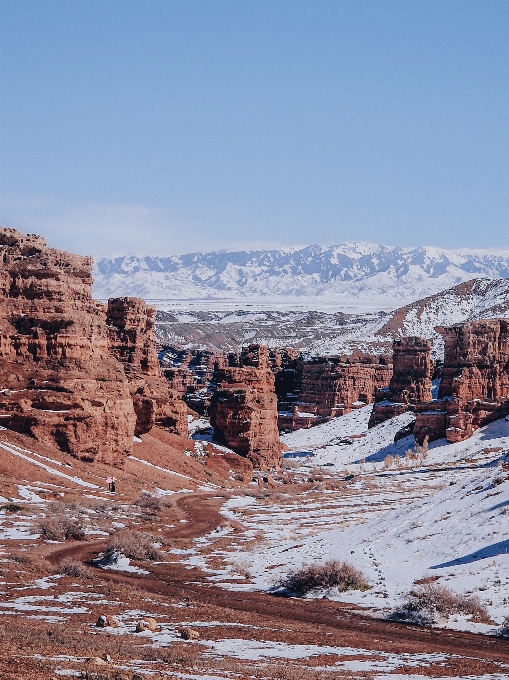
<point x="60" y="380"/>
<point x="333" y="386"/>
<point x="474" y="383"/>
<point x="243" y="409"/>
<point x="132" y="342"/>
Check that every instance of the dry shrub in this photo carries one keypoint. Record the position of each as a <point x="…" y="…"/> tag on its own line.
<point x="431" y="602"/>
<point x="12" y="507"/>
<point x="69" y="567"/>
<point x="332" y="574"/>
<point x="58" y="527"/>
<point x="148" y="503"/>
<point x="242" y="568"/>
<point x="20" y="559"/>
<point x="133" y="544"/>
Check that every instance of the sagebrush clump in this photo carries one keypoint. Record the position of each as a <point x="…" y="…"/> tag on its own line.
<point x="133" y="544"/>
<point x="69" y="567"/>
<point x="332" y="574"/>
<point x="59" y="527"/>
<point x="148" y="503"/>
<point x="431" y="602"/>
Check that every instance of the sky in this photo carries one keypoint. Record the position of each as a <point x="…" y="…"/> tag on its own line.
<point x="148" y="126"/>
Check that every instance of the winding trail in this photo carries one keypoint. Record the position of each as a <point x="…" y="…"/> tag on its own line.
<point x="348" y="627"/>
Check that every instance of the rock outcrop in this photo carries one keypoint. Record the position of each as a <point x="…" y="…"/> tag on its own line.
<point x="474" y="382"/>
<point x="60" y="379"/>
<point x="243" y="409"/>
<point x="410" y="383"/>
<point x="132" y="342"/>
<point x="59" y="382"/>
<point x="332" y="386"/>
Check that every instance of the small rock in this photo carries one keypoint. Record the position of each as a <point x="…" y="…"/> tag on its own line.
<point x="102" y="621"/>
<point x="152" y="624"/>
<point x="189" y="634"/>
<point x="97" y="661"/>
<point x="105" y="621"/>
<point x="107" y="658"/>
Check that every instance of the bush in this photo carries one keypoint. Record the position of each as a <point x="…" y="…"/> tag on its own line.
<point x="432" y="602"/>
<point x="133" y="544"/>
<point x="12" y="507"/>
<point x="332" y="574"/>
<point x="58" y="527"/>
<point x="68" y="567"/>
<point x="149" y="504"/>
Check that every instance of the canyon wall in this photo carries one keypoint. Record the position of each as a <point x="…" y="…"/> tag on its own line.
<point x="60" y="379"/>
<point x="243" y="409"/>
<point x="474" y="381"/>
<point x="132" y="342"/>
<point x="333" y="386"/>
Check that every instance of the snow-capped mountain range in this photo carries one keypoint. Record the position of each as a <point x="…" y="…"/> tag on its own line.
<point x="348" y="277"/>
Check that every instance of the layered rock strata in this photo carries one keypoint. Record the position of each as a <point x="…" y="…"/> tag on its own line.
<point x="132" y="342"/>
<point x="243" y="409"/>
<point x="410" y="383"/>
<point x="60" y="379"/>
<point x="474" y="383"/>
<point x="60" y="384"/>
<point x="333" y="386"/>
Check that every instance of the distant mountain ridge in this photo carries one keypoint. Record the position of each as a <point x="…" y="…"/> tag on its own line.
<point x="350" y="275"/>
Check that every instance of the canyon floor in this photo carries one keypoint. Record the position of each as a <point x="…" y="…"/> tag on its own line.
<point x="224" y="544"/>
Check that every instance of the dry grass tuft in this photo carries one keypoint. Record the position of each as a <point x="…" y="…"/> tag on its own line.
<point x="431" y="602"/>
<point x="332" y="574"/>
<point x="133" y="544"/>
<point x="69" y="567"/>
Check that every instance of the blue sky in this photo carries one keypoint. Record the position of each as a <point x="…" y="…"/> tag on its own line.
<point x="168" y="127"/>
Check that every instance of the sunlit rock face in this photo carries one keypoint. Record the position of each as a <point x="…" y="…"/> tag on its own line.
<point x="474" y="384"/>
<point x="132" y="342"/>
<point x="243" y="410"/>
<point x="62" y="380"/>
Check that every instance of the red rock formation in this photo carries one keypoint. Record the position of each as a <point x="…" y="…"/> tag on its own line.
<point x="475" y="375"/>
<point x="411" y="379"/>
<point x="243" y="409"/>
<point x="58" y="381"/>
<point x="333" y="386"/>
<point x="413" y="368"/>
<point x="474" y="387"/>
<point x="132" y="342"/>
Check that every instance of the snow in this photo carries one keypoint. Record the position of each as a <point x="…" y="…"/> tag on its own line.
<point x="444" y="515"/>
<point x="17" y="451"/>
<point x="116" y="561"/>
<point x="351" y="276"/>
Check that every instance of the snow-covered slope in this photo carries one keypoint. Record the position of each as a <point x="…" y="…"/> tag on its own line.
<point x="443" y="516"/>
<point x="350" y="276"/>
<point x="324" y="334"/>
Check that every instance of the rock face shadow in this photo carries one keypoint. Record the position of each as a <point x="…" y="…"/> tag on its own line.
<point x="500" y="548"/>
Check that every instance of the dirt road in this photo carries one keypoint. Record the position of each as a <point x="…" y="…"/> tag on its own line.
<point x="340" y="623"/>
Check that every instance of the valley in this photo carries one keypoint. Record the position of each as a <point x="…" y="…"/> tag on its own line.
<point x="289" y="495"/>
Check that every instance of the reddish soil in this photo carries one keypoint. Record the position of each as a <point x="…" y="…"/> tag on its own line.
<point x="348" y="627"/>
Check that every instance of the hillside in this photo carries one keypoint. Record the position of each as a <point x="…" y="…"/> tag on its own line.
<point x="320" y="333"/>
<point x="350" y="277"/>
